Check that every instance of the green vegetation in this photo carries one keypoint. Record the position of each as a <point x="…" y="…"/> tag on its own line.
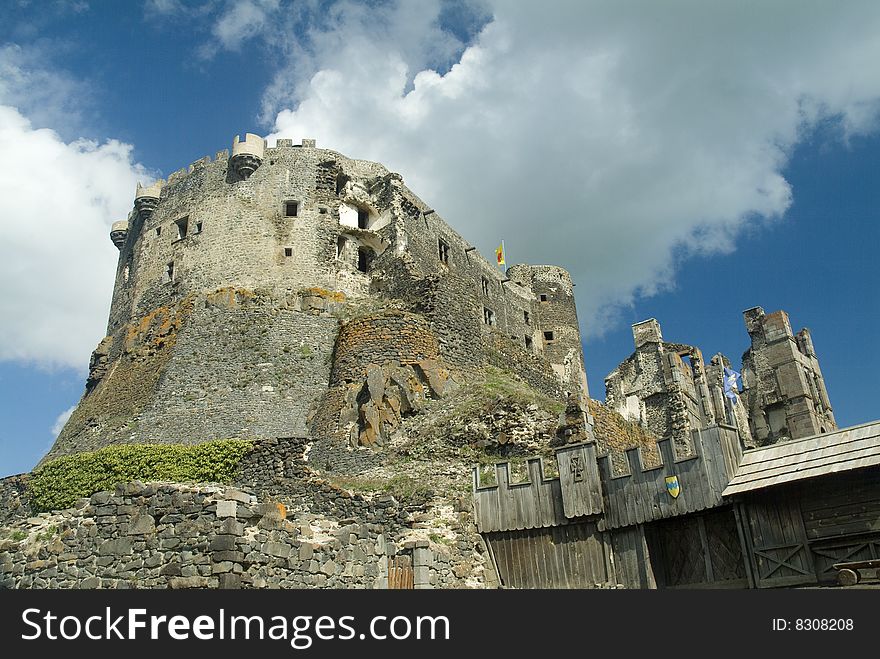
<point x="402" y="487"/>
<point x="59" y="483"/>
<point x="18" y="536"/>
<point x="48" y="534"/>
<point x="501" y="388"/>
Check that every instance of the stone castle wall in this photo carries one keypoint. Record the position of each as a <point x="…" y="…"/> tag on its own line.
<point x="233" y="279"/>
<point x="784" y="388"/>
<point x="278" y="526"/>
<point x="383" y="338"/>
<point x="236" y="365"/>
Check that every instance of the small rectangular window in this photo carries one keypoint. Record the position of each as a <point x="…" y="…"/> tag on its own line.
<point x="485" y="283"/>
<point x="365" y="258"/>
<point x="526" y="318"/>
<point x="488" y="316"/>
<point x="158" y="231"/>
<point x="444" y="252"/>
<point x="543" y="297"/>
<point x="291" y="208"/>
<point x="169" y="272"/>
<point x="199" y="226"/>
<point x="548" y="336"/>
<point x="363" y="218"/>
<point x="182" y="227"/>
<point x="528" y="342"/>
<point x="288" y="251"/>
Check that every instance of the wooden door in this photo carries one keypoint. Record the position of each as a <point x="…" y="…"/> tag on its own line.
<point x="698" y="551"/>
<point x="780" y="553"/>
<point x="400" y="573"/>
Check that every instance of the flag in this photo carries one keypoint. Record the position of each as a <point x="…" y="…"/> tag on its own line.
<point x="731" y="389"/>
<point x="499" y="253"/>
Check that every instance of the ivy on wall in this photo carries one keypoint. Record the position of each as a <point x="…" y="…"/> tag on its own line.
<point x="59" y="483"/>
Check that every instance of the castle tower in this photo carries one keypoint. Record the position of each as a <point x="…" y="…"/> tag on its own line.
<point x="237" y="275"/>
<point x="556" y="322"/>
<point x="663" y="387"/>
<point x="784" y="387"/>
<point x="247" y="155"/>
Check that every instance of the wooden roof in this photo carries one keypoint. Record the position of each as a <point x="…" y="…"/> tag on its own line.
<point x="842" y="450"/>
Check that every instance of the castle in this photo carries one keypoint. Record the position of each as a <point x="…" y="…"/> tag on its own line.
<point x="232" y="309"/>
<point x="313" y="305"/>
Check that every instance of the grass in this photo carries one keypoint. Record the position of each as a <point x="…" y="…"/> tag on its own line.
<point x="402" y="487"/>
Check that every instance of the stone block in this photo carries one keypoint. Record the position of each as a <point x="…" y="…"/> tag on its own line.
<point x="227" y="508"/>
<point x="222" y="543"/>
<point x="188" y="582"/>
<point x="117" y="547"/>
<point x="276" y="549"/>
<point x="141" y="524"/>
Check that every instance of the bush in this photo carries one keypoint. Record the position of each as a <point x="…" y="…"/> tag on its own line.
<point x="59" y="483"/>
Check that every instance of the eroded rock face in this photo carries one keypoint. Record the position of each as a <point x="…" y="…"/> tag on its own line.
<point x="373" y="408"/>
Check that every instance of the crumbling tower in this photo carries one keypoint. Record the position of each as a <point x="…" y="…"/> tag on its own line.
<point x="783" y="385"/>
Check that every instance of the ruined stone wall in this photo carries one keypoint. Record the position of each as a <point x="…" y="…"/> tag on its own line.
<point x="14" y="499"/>
<point x="783" y="384"/>
<point x="555" y="322"/>
<point x="177" y="536"/>
<point x="512" y="357"/>
<point x="615" y="434"/>
<point x="663" y="386"/>
<point x="279" y="525"/>
<point x="384" y="338"/>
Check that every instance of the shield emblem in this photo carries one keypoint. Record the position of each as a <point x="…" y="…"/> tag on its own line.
<point x="673" y="486"/>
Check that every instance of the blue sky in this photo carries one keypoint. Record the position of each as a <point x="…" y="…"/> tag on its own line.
<point x="684" y="160"/>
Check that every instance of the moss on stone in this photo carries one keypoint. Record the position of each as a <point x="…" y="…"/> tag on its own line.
<point x="59" y="483"/>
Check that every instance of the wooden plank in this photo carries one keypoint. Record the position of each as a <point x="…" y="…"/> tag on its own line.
<point x="502" y="553"/>
<point x="704" y="542"/>
<point x="742" y="531"/>
<point x="551" y="552"/>
<point x="536" y="556"/>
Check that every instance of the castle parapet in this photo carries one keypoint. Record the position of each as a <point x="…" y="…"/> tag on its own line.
<point x="146" y="199"/>
<point x="118" y="233"/>
<point x="247" y="156"/>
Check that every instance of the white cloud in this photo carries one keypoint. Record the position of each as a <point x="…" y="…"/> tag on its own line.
<point x="61" y="420"/>
<point x="57" y="202"/>
<point x="240" y="21"/>
<point x="608" y="138"/>
<point x="29" y="82"/>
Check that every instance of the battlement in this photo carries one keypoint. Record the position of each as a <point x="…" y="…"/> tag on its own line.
<point x="252" y="145"/>
<point x="587" y="486"/>
<point x="539" y="501"/>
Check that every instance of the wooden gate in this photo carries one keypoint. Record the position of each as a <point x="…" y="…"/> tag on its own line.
<point x="779" y="546"/>
<point x="569" y="556"/>
<point x="400" y="573"/>
<point x="698" y="551"/>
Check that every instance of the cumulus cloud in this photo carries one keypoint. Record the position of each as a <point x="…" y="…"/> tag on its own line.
<point x="57" y="201"/>
<point x="240" y="21"/>
<point x="29" y="82"/>
<point x="611" y="139"/>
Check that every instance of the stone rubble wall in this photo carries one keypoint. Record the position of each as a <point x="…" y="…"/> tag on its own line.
<point x="14" y="503"/>
<point x="278" y="527"/>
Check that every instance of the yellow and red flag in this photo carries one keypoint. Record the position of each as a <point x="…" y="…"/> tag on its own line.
<point x="499" y="253"/>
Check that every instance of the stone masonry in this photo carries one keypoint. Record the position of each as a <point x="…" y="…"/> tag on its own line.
<point x="668" y="389"/>
<point x="239" y="287"/>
